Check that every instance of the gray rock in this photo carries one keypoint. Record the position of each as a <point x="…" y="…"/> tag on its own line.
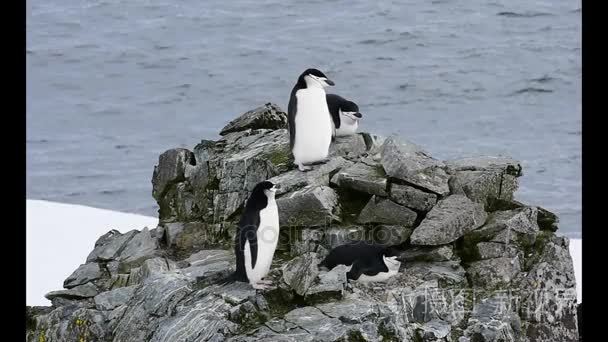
<point x="78" y="292"/>
<point x="441" y="253"/>
<point x="268" y="116"/>
<point x="486" y="163"/>
<point x="155" y="298"/>
<point x="340" y="235"/>
<point x="362" y="177"/>
<point x="448" y="273"/>
<point x="156" y="266"/>
<point x="313" y="320"/>
<point x="209" y="256"/>
<point x="547" y="220"/>
<point x="319" y="175"/>
<point x="350" y="310"/>
<point x="484" y="186"/>
<point x="493" y="319"/>
<point x="114" y="298"/>
<point x="141" y="247"/>
<point x="518" y="227"/>
<point x="450" y="219"/>
<point x="374" y="144"/>
<point x="412" y="197"/>
<point x="83" y="274"/>
<point x="300" y="272"/>
<point x="391" y="234"/>
<point x="548" y="300"/>
<point x="382" y="210"/>
<point x="350" y="146"/>
<point x="435" y="330"/>
<point x="185" y="238"/>
<point x="329" y="284"/>
<point x="307" y="240"/>
<point x="494" y="273"/>
<point x="71" y="323"/>
<point x="408" y="162"/>
<point x="263" y="155"/>
<point x="489" y="250"/>
<point x="170" y="170"/>
<point x="311" y="206"/>
<point x="110" y="245"/>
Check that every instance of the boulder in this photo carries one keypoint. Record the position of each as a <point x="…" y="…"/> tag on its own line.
<point x="83" y="274"/>
<point x="171" y="167"/>
<point x="114" y="298"/>
<point x="110" y="245"/>
<point x="141" y="247"/>
<point x="407" y="162"/>
<point x="450" y="219"/>
<point x="385" y="211"/>
<point x="362" y="177"/>
<point x="423" y="253"/>
<point x="412" y="197"/>
<point x="349" y="147"/>
<point x="311" y="206"/>
<point x="319" y="176"/>
<point x="268" y="116"/>
<point x="392" y="234"/>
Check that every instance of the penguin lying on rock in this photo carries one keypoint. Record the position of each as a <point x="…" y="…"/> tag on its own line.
<point x="368" y="262"/>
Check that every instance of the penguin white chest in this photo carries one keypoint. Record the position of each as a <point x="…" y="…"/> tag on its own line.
<point x="267" y="238"/>
<point x="313" y="126"/>
<point x="381" y="276"/>
<point x="348" y="126"/>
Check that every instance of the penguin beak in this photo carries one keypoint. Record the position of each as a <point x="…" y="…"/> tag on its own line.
<point x="358" y="115"/>
<point x="329" y="82"/>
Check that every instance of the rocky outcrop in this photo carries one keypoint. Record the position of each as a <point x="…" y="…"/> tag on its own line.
<point x="477" y="265"/>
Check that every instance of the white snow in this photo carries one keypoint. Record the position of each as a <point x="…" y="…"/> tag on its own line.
<point x="61" y="236"/>
<point x="576" y="251"/>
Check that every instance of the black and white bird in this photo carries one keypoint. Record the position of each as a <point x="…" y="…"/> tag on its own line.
<point x="345" y="115"/>
<point x="368" y="262"/>
<point x="257" y="236"/>
<point x="310" y="124"/>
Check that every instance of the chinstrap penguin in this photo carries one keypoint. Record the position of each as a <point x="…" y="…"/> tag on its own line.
<point x="368" y="262"/>
<point x="345" y="115"/>
<point x="257" y="236"/>
<point x="310" y="124"/>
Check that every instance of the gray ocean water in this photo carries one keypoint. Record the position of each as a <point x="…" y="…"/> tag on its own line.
<point x="111" y="84"/>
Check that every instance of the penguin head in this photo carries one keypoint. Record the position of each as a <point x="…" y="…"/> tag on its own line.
<point x="350" y="110"/>
<point x="314" y="78"/>
<point x="391" y="262"/>
<point x="266" y="188"/>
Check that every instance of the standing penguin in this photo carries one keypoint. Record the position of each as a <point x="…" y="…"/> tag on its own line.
<point x="368" y="262"/>
<point x="310" y="127"/>
<point x="257" y="236"/>
<point x="345" y="115"/>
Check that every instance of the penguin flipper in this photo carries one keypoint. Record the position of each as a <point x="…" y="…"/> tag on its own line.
<point x="333" y="105"/>
<point x="368" y="267"/>
<point x="291" y="117"/>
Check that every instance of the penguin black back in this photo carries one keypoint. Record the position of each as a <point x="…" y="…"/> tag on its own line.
<point x="348" y="253"/>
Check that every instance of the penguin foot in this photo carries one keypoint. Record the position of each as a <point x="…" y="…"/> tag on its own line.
<point x="303" y="168"/>
<point x="265" y="282"/>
